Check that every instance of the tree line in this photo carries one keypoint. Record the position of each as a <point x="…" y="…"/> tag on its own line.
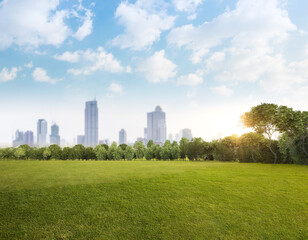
<point x="258" y="146"/>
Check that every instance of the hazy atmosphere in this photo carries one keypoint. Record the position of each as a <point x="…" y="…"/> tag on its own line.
<point x="205" y="62"/>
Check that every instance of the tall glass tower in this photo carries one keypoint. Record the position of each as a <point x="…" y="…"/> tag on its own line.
<point x="122" y="137"/>
<point x="91" y="124"/>
<point x="156" y="126"/>
<point x="54" y="136"/>
<point x="41" y="132"/>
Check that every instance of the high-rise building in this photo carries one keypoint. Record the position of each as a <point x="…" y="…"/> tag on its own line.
<point x="29" y="138"/>
<point x="19" y="139"/>
<point x="41" y="132"/>
<point x="122" y="137"/>
<point x="170" y="137"/>
<point x="54" y="136"/>
<point x="91" y="124"/>
<point x="156" y="126"/>
<point x="80" y="139"/>
<point x="186" y="133"/>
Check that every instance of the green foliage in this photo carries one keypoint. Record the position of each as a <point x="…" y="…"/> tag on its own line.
<point x="175" y="151"/>
<point x="195" y="149"/>
<point x="56" y="151"/>
<point x="20" y="153"/>
<point x="184" y="147"/>
<point x="150" y="143"/>
<point x="111" y="151"/>
<point x="100" y="152"/>
<point x="263" y="119"/>
<point x="46" y="153"/>
<point x="118" y="153"/>
<point x="139" y="149"/>
<point x="123" y="146"/>
<point x="129" y="153"/>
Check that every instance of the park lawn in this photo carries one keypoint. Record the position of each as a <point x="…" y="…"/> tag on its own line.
<point x="152" y="200"/>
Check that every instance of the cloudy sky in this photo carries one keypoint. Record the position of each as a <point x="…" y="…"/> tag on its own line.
<point x="204" y="61"/>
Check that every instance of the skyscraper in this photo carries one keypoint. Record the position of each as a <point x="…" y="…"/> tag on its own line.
<point x="54" y="136"/>
<point x="80" y="139"/>
<point x="19" y="139"/>
<point x="91" y="124"/>
<point x="122" y="137"/>
<point x="186" y="133"/>
<point x="41" y="132"/>
<point x="156" y="126"/>
<point x="28" y="138"/>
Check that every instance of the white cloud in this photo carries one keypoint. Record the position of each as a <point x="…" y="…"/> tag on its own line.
<point x="252" y="24"/>
<point x="191" y="94"/>
<point x="96" y="60"/>
<point x="29" y="65"/>
<point x="40" y="75"/>
<point x="67" y="56"/>
<point x="86" y="28"/>
<point x="143" y="21"/>
<point x="222" y="90"/>
<point x="116" y="88"/>
<point x="6" y="75"/>
<point x="186" y="5"/>
<point x="32" y="23"/>
<point x="158" y="68"/>
<point x="190" y="80"/>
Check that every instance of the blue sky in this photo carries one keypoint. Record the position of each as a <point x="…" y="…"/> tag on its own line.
<point x="204" y="61"/>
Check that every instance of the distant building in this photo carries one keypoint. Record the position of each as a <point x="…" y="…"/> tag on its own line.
<point x="104" y="141"/>
<point x="170" y="137"/>
<point x="145" y="133"/>
<point x="29" y="138"/>
<point x="177" y="137"/>
<point x="91" y="124"/>
<point x="156" y="126"/>
<point x="122" y="137"/>
<point x="80" y="139"/>
<point x="19" y="139"/>
<point x="186" y="133"/>
<point x="41" y="132"/>
<point x="54" y="136"/>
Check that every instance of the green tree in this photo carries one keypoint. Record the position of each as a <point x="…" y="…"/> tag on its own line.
<point x="263" y="119"/>
<point x="250" y="147"/>
<point x="175" y="151"/>
<point x="105" y="146"/>
<point x="166" y="151"/>
<point x="78" y="152"/>
<point x="157" y="149"/>
<point x="150" y="143"/>
<point x="100" y="152"/>
<point x="20" y="153"/>
<point x="139" y="149"/>
<point x="195" y="149"/>
<point x="89" y="154"/>
<point x="123" y="146"/>
<point x="46" y="153"/>
<point x="149" y="152"/>
<point x="129" y="153"/>
<point x="184" y="147"/>
<point x="111" y="151"/>
<point x="56" y="151"/>
<point x="119" y="153"/>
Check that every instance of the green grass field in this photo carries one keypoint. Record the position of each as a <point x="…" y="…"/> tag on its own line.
<point x="152" y="200"/>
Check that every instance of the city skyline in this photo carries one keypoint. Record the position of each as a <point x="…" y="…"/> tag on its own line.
<point x="156" y="130"/>
<point x="203" y="62"/>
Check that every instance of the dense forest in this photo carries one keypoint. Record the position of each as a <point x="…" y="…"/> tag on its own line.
<point x="257" y="146"/>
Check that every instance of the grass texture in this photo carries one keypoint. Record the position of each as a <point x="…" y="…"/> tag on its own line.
<point x="152" y="200"/>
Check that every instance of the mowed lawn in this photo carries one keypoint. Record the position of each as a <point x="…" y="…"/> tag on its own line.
<point x="152" y="200"/>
